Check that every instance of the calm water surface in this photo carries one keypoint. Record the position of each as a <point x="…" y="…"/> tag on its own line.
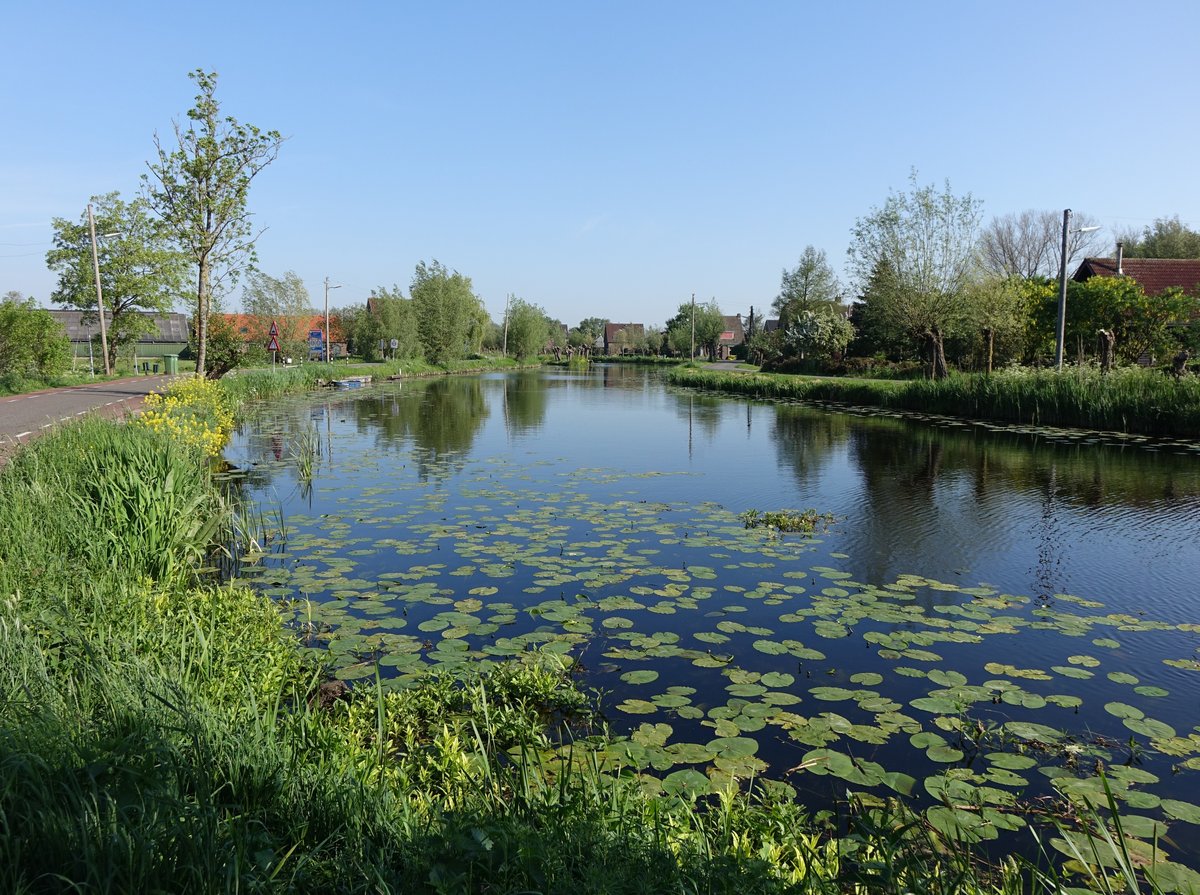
<point x="595" y="514"/>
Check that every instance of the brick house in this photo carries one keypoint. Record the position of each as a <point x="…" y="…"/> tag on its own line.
<point x="623" y="338"/>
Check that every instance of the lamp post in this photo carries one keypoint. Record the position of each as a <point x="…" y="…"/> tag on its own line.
<point x="327" y="288"/>
<point x="1062" y="287"/>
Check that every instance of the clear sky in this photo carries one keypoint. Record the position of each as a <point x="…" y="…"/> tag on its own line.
<point x="604" y="159"/>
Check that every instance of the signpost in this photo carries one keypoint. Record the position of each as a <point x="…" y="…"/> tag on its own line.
<point x="273" y="345"/>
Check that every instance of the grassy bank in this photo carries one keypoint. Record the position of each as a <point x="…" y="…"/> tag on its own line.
<point x="1132" y="400"/>
<point x="164" y="734"/>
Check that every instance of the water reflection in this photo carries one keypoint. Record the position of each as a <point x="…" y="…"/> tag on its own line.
<point x="524" y="401"/>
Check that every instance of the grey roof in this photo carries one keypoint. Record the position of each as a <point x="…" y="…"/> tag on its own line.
<point x="171" y="327"/>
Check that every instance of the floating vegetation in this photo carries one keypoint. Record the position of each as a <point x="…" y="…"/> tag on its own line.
<point x="805" y="521"/>
<point x="736" y="646"/>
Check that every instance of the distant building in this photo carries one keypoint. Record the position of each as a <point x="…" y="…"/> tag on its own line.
<point x="732" y="335"/>
<point x="1154" y="275"/>
<point x="309" y="329"/>
<point x="623" y="338"/>
<point x="170" y="335"/>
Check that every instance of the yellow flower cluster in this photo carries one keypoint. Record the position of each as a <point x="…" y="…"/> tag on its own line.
<point x="193" y="412"/>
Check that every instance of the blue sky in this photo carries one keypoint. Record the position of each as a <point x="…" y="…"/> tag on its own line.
<point x="602" y="159"/>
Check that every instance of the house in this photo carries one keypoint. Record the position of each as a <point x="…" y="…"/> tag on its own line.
<point x="732" y="335"/>
<point x="308" y="329"/>
<point x="1154" y="275"/>
<point x="170" y="335"/>
<point x="623" y="338"/>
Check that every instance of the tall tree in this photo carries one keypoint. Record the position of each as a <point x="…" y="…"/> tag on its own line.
<point x="1029" y="244"/>
<point x="810" y="285"/>
<point x="449" y="314"/>
<point x="528" y="329"/>
<point x="282" y="300"/>
<point x="1168" y="238"/>
<point x="913" y="258"/>
<point x="141" y="274"/>
<point x="710" y="323"/>
<point x="199" y="185"/>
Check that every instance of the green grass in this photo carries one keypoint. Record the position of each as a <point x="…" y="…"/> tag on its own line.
<point x="159" y="733"/>
<point x="1131" y="400"/>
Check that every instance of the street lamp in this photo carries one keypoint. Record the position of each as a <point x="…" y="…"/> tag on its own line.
<point x="327" y="288"/>
<point x="1062" y="287"/>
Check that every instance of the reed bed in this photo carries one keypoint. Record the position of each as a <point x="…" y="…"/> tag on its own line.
<point x="1133" y="400"/>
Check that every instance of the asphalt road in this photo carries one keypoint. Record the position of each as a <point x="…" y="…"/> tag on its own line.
<point x="26" y="416"/>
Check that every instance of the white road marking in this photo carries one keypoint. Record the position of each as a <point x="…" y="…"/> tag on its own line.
<point x="21" y="435"/>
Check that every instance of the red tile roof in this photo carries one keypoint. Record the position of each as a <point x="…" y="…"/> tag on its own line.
<point x="253" y="326"/>
<point x="1153" y="274"/>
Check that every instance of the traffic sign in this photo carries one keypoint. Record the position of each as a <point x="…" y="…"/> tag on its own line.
<point x="395" y="343"/>
<point x="274" y="331"/>
<point x="273" y="345"/>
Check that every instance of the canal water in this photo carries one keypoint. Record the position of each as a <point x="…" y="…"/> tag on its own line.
<point x="991" y="616"/>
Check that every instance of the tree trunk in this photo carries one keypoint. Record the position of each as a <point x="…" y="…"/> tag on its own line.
<point x="1179" y="365"/>
<point x="202" y="287"/>
<point x="990" y="335"/>
<point x="1105" y="343"/>
<point x="935" y="353"/>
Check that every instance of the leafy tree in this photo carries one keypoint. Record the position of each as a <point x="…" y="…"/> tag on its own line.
<point x="1168" y="238"/>
<point x="1140" y="323"/>
<point x="451" y="319"/>
<point x="710" y="323"/>
<point x="1000" y="309"/>
<point x="285" y="302"/>
<point x="1029" y="244"/>
<point x="528" y="329"/>
<point x="140" y="273"/>
<point x="589" y="330"/>
<point x="821" y="332"/>
<point x="914" y="257"/>
<point x="200" y="188"/>
<point x="32" y="343"/>
<point x="810" y="285"/>
<point x="227" y="347"/>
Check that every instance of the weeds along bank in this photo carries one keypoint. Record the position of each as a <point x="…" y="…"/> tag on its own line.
<point x="1144" y="402"/>
<point x="163" y="733"/>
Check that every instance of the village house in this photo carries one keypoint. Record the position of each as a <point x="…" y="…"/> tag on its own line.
<point x="623" y="338"/>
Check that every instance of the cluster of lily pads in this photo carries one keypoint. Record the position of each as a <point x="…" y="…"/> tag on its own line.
<point x="726" y="652"/>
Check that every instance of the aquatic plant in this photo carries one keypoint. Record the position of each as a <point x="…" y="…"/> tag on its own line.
<point x="805" y="521"/>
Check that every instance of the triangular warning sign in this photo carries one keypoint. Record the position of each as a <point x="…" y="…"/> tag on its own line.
<point x="274" y="330"/>
<point x="273" y="345"/>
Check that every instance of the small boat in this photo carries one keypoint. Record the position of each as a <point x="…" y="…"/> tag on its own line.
<point x="352" y="382"/>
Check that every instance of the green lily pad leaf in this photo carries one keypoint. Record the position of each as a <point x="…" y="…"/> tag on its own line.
<point x="641" y="676"/>
<point x="946" y="678"/>
<point x="733" y="747"/>
<point x="1122" y="710"/>
<point x="944" y="754"/>
<point x="483" y="591"/>
<point x="1106" y="642"/>
<point x="958" y="825"/>
<point x="1070" y="671"/>
<point x="710" y="637"/>
<point x="827" y="761"/>
<point x="687" y="783"/>
<point x="1184" y="811"/>
<point x="689" y="753"/>
<point x="1027" y="730"/>
<point x="637" y="707"/>
<point x="1151" y="691"/>
<point x="1086" y="661"/>
<point x="1149" y="727"/>
<point x="770" y="647"/>
<point x="866" y="678"/>
<point x="936" y="705"/>
<point x="901" y="783"/>
<point x="831" y="694"/>
<point x="1122" y="677"/>
<point x="1066" y="702"/>
<point x="777" y="679"/>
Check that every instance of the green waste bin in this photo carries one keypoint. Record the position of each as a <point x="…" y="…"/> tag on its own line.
<point x="171" y="364"/>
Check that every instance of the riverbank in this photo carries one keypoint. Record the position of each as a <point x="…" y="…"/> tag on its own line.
<point x="167" y="734"/>
<point x="1133" y="401"/>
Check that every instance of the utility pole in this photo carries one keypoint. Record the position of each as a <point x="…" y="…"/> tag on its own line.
<point x="327" y="345"/>
<point x="99" y="292"/>
<point x="693" y="357"/>
<point x="507" y="299"/>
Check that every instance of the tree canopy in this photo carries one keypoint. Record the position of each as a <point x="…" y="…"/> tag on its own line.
<point x="199" y="185"/>
<point x="709" y="325"/>
<point x="451" y="319"/>
<point x="140" y="272"/>
<point x="528" y="329"/>
<point x="282" y="300"/>
<point x="811" y="284"/>
<point x="1167" y="238"/>
<point x="1029" y="244"/>
<point x="32" y="343"/>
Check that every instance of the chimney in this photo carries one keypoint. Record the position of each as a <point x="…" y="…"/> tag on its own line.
<point x="1120" y="258"/>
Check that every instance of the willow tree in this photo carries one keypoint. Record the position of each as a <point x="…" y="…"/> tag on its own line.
<point x="913" y="258"/>
<point x="199" y="183"/>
